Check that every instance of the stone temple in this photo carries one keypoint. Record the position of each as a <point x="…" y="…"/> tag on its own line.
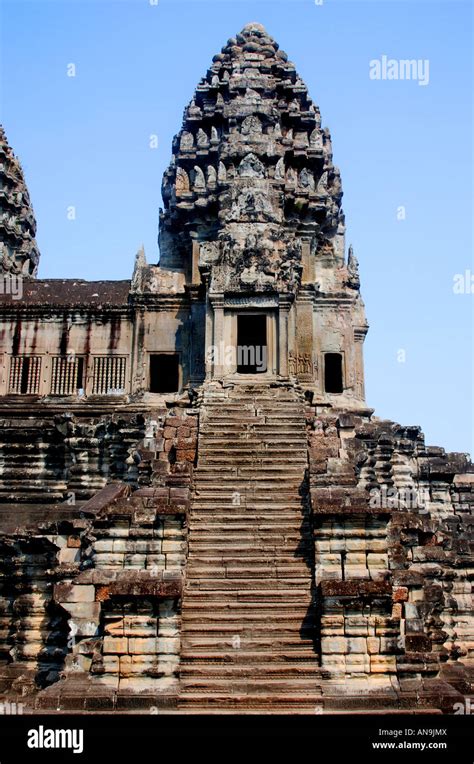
<point x="198" y="510"/>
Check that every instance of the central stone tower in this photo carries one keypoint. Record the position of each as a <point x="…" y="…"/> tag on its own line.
<point x="253" y="218"/>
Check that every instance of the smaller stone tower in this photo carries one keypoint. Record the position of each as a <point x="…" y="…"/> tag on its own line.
<point x="18" y="249"/>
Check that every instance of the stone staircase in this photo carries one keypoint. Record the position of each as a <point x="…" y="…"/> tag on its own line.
<point x="247" y="621"/>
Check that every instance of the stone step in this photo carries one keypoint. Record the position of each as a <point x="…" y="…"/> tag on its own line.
<point x="236" y="430"/>
<point x="203" y="548"/>
<point x="250" y="507"/>
<point x="241" y="617"/>
<point x="273" y="685"/>
<point x="260" y="540"/>
<point x="276" y="519"/>
<point x="235" y="423"/>
<point x="222" y="572"/>
<point x="251" y="477"/>
<point x="223" y="643"/>
<point x="249" y="630"/>
<point x="255" y="670"/>
<point x="272" y="470"/>
<point x="259" y="413"/>
<point x="225" y="573"/>
<point x="275" y="559"/>
<point x="273" y="474"/>
<point x="249" y="584"/>
<point x="245" y="488"/>
<point x="256" y="402"/>
<point x="286" y="703"/>
<point x="255" y="410"/>
<point x="256" y="417"/>
<point x="216" y="555"/>
<point x="240" y="457"/>
<point x="252" y="614"/>
<point x="277" y="436"/>
<point x="209" y="513"/>
<point x="264" y="541"/>
<point x="247" y="483"/>
<point x="254" y="596"/>
<point x="249" y="491"/>
<point x="250" y="532"/>
<point x="227" y="493"/>
<point x="275" y="532"/>
<point x="240" y="454"/>
<point x="290" y="557"/>
<point x="290" y="449"/>
<point x="259" y="468"/>
<point x="247" y="397"/>
<point x="248" y="659"/>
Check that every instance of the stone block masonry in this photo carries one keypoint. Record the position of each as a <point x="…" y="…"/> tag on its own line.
<point x="114" y="600"/>
<point x="393" y="577"/>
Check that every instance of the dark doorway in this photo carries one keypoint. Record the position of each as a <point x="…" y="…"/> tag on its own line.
<point x="25" y="376"/>
<point x="251" y="344"/>
<point x="333" y="382"/>
<point x="164" y="373"/>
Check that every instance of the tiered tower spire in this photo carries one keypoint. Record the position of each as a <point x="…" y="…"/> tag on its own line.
<point x="252" y="175"/>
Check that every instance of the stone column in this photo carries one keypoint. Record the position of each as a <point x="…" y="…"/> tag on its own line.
<point x="307" y="277"/>
<point x="195" y="273"/>
<point x="218" y="306"/>
<point x="209" y="338"/>
<point x="283" y="311"/>
<point x="359" y="337"/>
<point x="197" y="337"/>
<point x="138" y="370"/>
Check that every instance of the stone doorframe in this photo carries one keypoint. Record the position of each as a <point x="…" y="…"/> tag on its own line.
<point x="221" y="332"/>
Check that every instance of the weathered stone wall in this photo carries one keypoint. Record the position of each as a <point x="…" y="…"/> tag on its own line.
<point x="393" y="564"/>
<point x="33" y="629"/>
<point x="94" y="322"/>
<point x="48" y="457"/>
<point x="99" y="599"/>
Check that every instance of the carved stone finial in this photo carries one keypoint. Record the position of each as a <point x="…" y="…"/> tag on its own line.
<point x="353" y="269"/>
<point x="140" y="265"/>
<point x="253" y="26"/>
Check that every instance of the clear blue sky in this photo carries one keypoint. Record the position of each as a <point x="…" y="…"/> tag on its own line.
<point x="84" y="141"/>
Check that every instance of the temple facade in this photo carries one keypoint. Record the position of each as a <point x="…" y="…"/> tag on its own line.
<point x="197" y="508"/>
<point x="254" y="281"/>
